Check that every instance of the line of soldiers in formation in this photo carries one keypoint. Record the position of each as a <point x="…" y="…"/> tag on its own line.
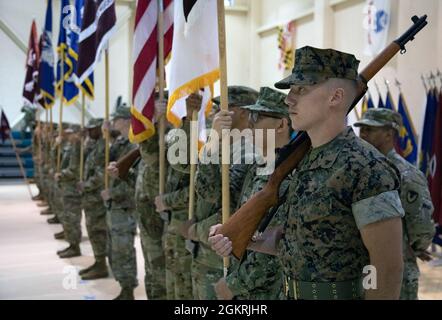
<point x="172" y="269"/>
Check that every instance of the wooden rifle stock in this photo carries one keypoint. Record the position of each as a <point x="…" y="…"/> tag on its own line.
<point x="126" y="162"/>
<point x="241" y="226"/>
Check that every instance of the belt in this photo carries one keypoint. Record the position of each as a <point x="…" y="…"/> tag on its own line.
<point x="339" y="290"/>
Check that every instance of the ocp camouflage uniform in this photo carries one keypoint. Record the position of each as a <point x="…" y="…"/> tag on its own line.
<point x="149" y="221"/>
<point x="417" y="224"/>
<point x="94" y="209"/>
<point x="120" y="219"/>
<point x="70" y="174"/>
<point x="207" y="267"/>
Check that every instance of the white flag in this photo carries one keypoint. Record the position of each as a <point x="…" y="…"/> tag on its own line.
<point x="195" y="59"/>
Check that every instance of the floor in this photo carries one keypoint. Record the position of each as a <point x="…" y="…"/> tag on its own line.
<point x="30" y="268"/>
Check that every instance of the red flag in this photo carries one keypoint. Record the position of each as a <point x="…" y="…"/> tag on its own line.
<point x="32" y="62"/>
<point x="435" y="178"/>
<point x="4" y="127"/>
<point x="145" y="53"/>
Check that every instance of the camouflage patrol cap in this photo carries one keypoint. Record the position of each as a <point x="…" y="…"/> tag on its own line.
<point x="121" y="112"/>
<point x="94" y="123"/>
<point x="270" y="101"/>
<point x="71" y="128"/>
<point x="381" y="117"/>
<point x="239" y="96"/>
<point x="314" y="65"/>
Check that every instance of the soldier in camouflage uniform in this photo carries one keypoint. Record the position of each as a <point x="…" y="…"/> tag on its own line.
<point x="68" y="179"/>
<point x="94" y="209"/>
<point x="207" y="267"/>
<point x="149" y="222"/>
<point x="381" y="127"/>
<point x="342" y="203"/>
<point x="259" y="276"/>
<point x="120" y="215"/>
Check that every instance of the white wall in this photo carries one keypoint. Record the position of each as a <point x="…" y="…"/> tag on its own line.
<point x="252" y="54"/>
<point x="18" y="15"/>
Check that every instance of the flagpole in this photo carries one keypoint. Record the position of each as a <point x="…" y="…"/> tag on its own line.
<point x="162" y="120"/>
<point x="224" y="106"/>
<point x="82" y="136"/>
<point x="20" y="164"/>
<point x="60" y="122"/>
<point x="193" y="162"/>
<point x="51" y="129"/>
<point x="106" y="116"/>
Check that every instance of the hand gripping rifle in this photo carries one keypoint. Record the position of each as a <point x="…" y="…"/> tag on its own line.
<point x="128" y="161"/>
<point x="241" y="226"/>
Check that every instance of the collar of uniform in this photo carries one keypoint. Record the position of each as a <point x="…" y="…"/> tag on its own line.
<point x="325" y="156"/>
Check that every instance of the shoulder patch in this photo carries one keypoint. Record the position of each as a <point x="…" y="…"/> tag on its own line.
<point x="412" y="196"/>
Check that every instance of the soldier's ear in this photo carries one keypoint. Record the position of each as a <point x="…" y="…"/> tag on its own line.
<point x="337" y="97"/>
<point x="283" y="125"/>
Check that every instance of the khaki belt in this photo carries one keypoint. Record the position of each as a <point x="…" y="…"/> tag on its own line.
<point x="340" y="290"/>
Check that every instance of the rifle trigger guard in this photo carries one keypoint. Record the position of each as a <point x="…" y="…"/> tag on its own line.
<point x="403" y="50"/>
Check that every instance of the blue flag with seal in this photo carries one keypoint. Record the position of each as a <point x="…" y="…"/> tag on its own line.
<point x="87" y="86"/>
<point x="66" y="50"/>
<point x="46" y="68"/>
<point x="407" y="136"/>
<point x="428" y="132"/>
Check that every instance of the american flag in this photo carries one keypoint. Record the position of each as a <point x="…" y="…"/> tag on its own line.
<point x="145" y="54"/>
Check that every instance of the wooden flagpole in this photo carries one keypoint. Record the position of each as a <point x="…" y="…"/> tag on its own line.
<point x="20" y="163"/>
<point x="60" y="122"/>
<point x="106" y="116"/>
<point x="224" y="106"/>
<point x="193" y="161"/>
<point x="162" y="120"/>
<point x="83" y="102"/>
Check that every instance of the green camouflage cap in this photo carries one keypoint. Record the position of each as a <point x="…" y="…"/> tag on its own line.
<point x="314" y="65"/>
<point x="71" y="128"/>
<point x="270" y="101"/>
<point x="239" y="96"/>
<point x="381" y="117"/>
<point x="94" y="123"/>
<point x="122" y="112"/>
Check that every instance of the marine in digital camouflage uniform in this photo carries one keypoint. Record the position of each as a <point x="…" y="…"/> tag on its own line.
<point x="68" y="179"/>
<point x="337" y="189"/>
<point x="120" y="217"/>
<point x="415" y="195"/>
<point x="259" y="276"/>
<point x="94" y="209"/>
<point x="149" y="222"/>
<point x="207" y="267"/>
<point x="342" y="191"/>
<point x="176" y="198"/>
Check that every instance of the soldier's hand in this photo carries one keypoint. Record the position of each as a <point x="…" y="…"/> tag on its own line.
<point x="193" y="103"/>
<point x="160" y="206"/>
<point x="112" y="169"/>
<point x="187" y="229"/>
<point x="220" y="244"/>
<point x="58" y="140"/>
<point x="425" y="256"/>
<point x="105" y="195"/>
<point x="222" y="290"/>
<point x="222" y="120"/>
<point x="160" y="109"/>
<point x="105" y="127"/>
<point x="57" y="176"/>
